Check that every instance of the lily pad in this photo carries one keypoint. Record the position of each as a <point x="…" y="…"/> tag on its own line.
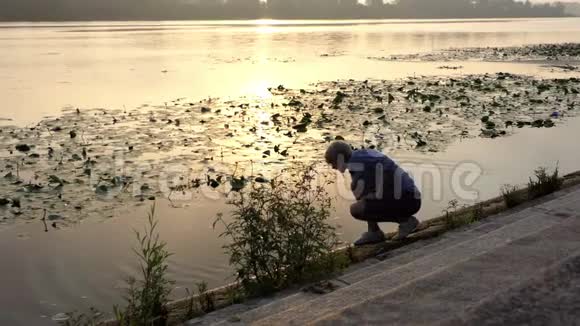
<point x="538" y="123"/>
<point x="421" y="143"/>
<point x="102" y="190"/>
<point x="32" y="188"/>
<point x="302" y="127"/>
<point x="340" y="96"/>
<point x="54" y="180"/>
<point x="213" y="183"/>
<point x="295" y="103"/>
<point x="16" y="203"/>
<point x="238" y="184"/>
<point x="261" y="180"/>
<point x="490" y="125"/>
<point x="54" y="217"/>
<point x="23" y="148"/>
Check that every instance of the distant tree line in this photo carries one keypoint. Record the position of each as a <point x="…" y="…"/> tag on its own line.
<point x="57" y="10"/>
<point x="573" y="9"/>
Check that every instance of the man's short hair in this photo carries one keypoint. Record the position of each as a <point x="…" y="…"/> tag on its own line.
<point x="338" y="150"/>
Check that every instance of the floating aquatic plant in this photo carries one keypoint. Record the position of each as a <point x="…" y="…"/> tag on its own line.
<point x="378" y="112"/>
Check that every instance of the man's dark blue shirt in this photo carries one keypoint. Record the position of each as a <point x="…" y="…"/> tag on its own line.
<point x="376" y="176"/>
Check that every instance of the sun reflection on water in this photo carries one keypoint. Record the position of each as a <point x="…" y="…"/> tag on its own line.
<point x="267" y="26"/>
<point x="260" y="89"/>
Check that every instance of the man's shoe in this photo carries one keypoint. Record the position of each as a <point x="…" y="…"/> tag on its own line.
<point x="407" y="228"/>
<point x="369" y="238"/>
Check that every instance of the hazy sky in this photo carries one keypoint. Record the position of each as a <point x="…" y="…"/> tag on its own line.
<point x="541" y="1"/>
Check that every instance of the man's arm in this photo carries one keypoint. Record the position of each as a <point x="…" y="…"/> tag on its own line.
<point x="357" y="185"/>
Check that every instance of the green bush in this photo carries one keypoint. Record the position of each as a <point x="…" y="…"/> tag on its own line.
<point x="544" y="184"/>
<point x="457" y="216"/>
<point x="146" y="298"/>
<point x="278" y="234"/>
<point x="512" y="195"/>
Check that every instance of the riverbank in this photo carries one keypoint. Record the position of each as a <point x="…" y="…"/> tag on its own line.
<point x="427" y="234"/>
<point x="497" y="271"/>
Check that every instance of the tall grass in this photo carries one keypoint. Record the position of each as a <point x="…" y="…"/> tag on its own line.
<point x="544" y="183"/>
<point x="512" y="195"/>
<point x="451" y="216"/>
<point x="146" y="297"/>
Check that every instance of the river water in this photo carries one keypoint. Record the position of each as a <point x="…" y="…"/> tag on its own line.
<point x="45" y="67"/>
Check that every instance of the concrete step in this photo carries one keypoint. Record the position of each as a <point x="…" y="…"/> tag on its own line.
<point x="447" y="295"/>
<point x="388" y="281"/>
<point x="261" y="308"/>
<point x="550" y="298"/>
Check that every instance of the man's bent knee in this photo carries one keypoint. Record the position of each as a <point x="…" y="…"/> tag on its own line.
<point x="357" y="210"/>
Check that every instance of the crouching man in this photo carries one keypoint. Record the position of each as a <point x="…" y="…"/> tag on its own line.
<point x="384" y="192"/>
